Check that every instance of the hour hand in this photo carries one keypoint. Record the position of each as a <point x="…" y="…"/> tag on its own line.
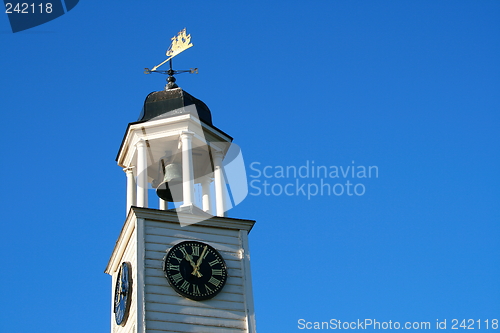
<point x="195" y="269"/>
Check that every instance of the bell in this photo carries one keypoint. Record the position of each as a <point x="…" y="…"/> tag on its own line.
<point x="171" y="188"/>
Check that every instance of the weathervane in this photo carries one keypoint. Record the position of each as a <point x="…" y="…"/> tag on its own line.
<point x="180" y="43"/>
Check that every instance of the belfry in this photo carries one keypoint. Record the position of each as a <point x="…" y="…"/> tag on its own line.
<point x="183" y="268"/>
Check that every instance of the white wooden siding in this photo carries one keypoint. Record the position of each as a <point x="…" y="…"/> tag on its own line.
<point x="167" y="311"/>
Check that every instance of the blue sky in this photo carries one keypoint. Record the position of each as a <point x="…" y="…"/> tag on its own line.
<point x="409" y="87"/>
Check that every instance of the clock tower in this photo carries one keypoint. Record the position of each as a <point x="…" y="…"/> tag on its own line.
<point x="183" y="268"/>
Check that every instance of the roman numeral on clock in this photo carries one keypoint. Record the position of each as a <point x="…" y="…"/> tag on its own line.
<point x="185" y="286"/>
<point x="216" y="271"/>
<point x="196" y="290"/>
<point x="173" y="267"/>
<point x="177" y="278"/>
<point x="214" y="262"/>
<point x="178" y="259"/>
<point x="214" y="281"/>
<point x="196" y="250"/>
<point x="183" y="250"/>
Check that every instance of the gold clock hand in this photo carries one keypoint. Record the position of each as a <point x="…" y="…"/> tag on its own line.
<point x="200" y="259"/>
<point x="195" y="269"/>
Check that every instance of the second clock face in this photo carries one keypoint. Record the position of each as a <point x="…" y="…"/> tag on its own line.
<point x="123" y="288"/>
<point x="195" y="270"/>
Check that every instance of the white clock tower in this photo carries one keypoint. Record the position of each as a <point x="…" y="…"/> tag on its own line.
<point x="187" y="268"/>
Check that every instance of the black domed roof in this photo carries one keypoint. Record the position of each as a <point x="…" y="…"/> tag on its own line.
<point x="172" y="102"/>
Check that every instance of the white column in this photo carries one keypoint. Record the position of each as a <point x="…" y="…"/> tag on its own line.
<point x="220" y="185"/>
<point x="131" y="188"/>
<point x="187" y="168"/>
<point x="163" y="204"/>
<point x="142" y="174"/>
<point x="205" y="192"/>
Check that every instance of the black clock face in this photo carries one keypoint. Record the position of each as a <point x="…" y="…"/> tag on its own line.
<point x="123" y="289"/>
<point x="195" y="270"/>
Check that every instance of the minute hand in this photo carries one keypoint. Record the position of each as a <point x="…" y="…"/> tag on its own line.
<point x="200" y="259"/>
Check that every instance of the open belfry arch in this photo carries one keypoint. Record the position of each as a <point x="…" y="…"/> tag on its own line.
<point x="183" y="268"/>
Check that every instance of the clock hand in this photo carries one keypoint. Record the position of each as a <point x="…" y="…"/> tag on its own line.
<point x="200" y="259"/>
<point x="120" y="291"/>
<point x="195" y="269"/>
<point x="124" y="284"/>
<point x="123" y="292"/>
